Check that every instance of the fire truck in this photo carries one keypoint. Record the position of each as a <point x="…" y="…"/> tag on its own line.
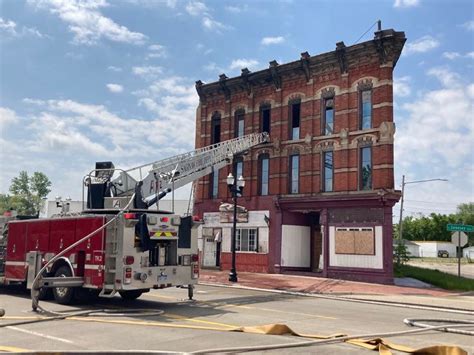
<point x="131" y="246"/>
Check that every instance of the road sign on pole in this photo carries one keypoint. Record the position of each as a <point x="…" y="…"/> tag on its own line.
<point x="460" y="228"/>
<point x="455" y="236"/>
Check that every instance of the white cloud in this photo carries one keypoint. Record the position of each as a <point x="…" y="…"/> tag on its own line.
<point x="9" y="28"/>
<point x="87" y="23"/>
<point x="457" y="55"/>
<point x="451" y="55"/>
<point x="147" y="72"/>
<point x="236" y="9"/>
<point x="156" y="51"/>
<point x="272" y="40"/>
<point x="7" y="117"/>
<point x="213" y="25"/>
<point x="446" y="77"/>
<point x="243" y="63"/>
<point x="113" y="68"/>
<point x="196" y="8"/>
<point x="469" y="25"/>
<point x="405" y="3"/>
<point x="436" y="140"/>
<point x="401" y="87"/>
<point x="421" y="45"/>
<point x="199" y="9"/>
<point x="115" y="88"/>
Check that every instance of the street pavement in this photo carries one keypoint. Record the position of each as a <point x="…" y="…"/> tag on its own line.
<point x="205" y="323"/>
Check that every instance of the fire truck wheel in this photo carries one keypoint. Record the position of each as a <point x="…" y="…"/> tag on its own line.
<point x="63" y="295"/>
<point x="130" y="295"/>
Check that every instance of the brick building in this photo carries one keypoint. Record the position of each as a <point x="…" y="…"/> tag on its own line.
<point x="320" y="193"/>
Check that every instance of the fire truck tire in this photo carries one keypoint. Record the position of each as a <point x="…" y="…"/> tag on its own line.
<point x="131" y="295"/>
<point x="63" y="295"/>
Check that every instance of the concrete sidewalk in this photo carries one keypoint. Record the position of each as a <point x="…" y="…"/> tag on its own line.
<point x="317" y="285"/>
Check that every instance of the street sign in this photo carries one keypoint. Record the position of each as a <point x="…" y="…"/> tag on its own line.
<point x="459" y="235"/>
<point x="460" y="228"/>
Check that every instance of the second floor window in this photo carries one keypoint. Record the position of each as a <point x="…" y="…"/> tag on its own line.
<point x="295" y="111"/>
<point x="239" y="123"/>
<point x="328" y="171"/>
<point x="366" y="168"/>
<point x="264" y="174"/>
<point x="265" y="118"/>
<point x="328" y="117"/>
<point x="366" y="109"/>
<point x="216" y="129"/>
<point x="238" y="169"/>
<point x="294" y="174"/>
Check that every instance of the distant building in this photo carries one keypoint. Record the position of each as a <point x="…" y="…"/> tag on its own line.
<point x="320" y="193"/>
<point x="412" y="247"/>
<point x="429" y="249"/>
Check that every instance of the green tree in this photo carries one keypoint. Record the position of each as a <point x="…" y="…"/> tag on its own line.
<point x="28" y="193"/>
<point x="465" y="212"/>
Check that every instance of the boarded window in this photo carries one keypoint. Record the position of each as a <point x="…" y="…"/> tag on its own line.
<point x="355" y="241"/>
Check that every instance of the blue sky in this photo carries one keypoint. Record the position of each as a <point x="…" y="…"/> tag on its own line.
<point x="84" y="81"/>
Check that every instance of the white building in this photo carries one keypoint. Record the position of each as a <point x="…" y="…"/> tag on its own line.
<point x="429" y="249"/>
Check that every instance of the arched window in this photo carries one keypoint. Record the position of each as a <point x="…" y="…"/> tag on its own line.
<point x="265" y="118"/>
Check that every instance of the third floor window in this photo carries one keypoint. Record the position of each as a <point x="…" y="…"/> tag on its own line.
<point x="365" y="109"/>
<point x="295" y="112"/>
<point x="239" y="123"/>
<point x="328" y="118"/>
<point x="265" y="118"/>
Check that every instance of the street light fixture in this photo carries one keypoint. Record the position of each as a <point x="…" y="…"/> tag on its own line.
<point x="236" y="188"/>
<point x="400" y="224"/>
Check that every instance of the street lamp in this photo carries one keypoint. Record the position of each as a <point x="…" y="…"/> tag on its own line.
<point x="400" y="224"/>
<point x="236" y="188"/>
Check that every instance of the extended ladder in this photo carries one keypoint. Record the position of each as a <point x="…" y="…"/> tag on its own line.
<point x="179" y="170"/>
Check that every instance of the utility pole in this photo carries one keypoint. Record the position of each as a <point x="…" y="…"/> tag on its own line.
<point x="400" y="224"/>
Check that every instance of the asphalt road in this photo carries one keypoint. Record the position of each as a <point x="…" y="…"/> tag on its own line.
<point x="204" y="323"/>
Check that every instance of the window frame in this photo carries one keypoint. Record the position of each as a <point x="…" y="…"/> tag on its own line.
<point x="261" y="158"/>
<point x="291" y="104"/>
<point x="214" y="185"/>
<point x="290" y="185"/>
<point x="238" y="240"/>
<point x="324" y="120"/>
<point x="361" y="108"/>
<point x="265" y="108"/>
<point x="324" y="187"/>
<point x="216" y="120"/>
<point x="239" y="116"/>
<point x="361" y="178"/>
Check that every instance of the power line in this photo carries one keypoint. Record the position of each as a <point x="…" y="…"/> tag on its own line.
<point x="366" y="31"/>
<point x="443" y="202"/>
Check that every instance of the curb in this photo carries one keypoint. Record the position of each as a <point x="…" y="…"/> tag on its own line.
<point x="346" y="299"/>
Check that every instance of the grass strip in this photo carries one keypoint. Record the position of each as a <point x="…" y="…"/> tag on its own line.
<point x="436" y="278"/>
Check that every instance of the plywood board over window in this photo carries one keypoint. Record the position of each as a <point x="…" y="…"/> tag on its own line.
<point x="355" y="241"/>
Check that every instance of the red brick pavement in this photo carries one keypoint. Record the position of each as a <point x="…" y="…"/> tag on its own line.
<point x="315" y="284"/>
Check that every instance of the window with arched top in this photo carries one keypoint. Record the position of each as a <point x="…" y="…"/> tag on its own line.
<point x="216" y="128"/>
<point x="328" y="171"/>
<point x="365" y="167"/>
<point x="294" y="173"/>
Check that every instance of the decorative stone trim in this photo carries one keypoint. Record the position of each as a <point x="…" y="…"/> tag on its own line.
<point x="383" y="166"/>
<point x="365" y="84"/>
<point x="387" y="132"/>
<point x="328" y="93"/>
<point x="294" y="96"/>
<point x="241" y="108"/>
<point x="259" y="152"/>
<point x="293" y="149"/>
<point x="365" y="140"/>
<point x="326" y="145"/>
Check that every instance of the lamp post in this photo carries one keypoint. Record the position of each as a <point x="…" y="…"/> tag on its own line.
<point x="236" y="187"/>
<point x="400" y="224"/>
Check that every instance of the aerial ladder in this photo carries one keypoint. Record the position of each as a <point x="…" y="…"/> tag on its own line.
<point x="151" y="182"/>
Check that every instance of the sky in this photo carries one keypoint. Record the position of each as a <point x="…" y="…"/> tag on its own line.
<point x="96" y="80"/>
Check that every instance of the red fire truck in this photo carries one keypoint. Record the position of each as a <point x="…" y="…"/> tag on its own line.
<point x="131" y="248"/>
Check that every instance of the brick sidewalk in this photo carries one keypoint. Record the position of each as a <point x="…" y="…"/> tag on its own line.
<point x="316" y="284"/>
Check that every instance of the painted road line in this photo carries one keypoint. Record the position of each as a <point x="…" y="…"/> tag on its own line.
<point x="177" y="316"/>
<point x="12" y="349"/>
<point x="50" y="337"/>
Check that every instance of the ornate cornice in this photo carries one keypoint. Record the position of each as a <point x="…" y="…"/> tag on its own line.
<point x="386" y="46"/>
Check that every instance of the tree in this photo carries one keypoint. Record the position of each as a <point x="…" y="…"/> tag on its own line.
<point x="465" y="212"/>
<point x="27" y="193"/>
